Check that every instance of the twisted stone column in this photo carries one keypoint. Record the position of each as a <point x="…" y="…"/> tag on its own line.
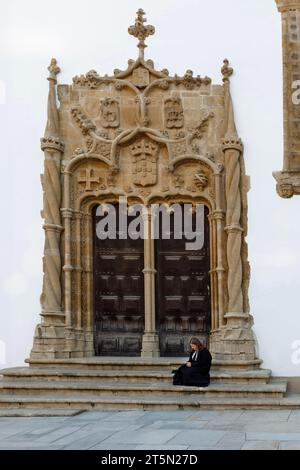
<point x="232" y="150"/>
<point x="234" y="341"/>
<point x="51" y="295"/>
<point x="49" y="335"/>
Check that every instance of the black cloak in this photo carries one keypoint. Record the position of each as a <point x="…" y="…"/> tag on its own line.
<point x="198" y="374"/>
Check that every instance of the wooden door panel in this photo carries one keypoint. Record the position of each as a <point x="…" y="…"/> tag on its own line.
<point x="118" y="295"/>
<point x="182" y="293"/>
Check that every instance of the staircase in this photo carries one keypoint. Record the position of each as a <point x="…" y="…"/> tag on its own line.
<point x="101" y="383"/>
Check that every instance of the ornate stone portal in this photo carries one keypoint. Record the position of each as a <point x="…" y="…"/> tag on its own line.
<point x="288" y="180"/>
<point x="153" y="138"/>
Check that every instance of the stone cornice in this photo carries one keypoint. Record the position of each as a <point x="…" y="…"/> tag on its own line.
<point x="288" y="183"/>
<point x="286" y="5"/>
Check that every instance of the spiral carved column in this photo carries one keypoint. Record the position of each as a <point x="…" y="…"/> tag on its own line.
<point x="237" y="336"/>
<point x="49" y="335"/>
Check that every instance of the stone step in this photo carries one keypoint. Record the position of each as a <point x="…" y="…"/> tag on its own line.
<point x="128" y="375"/>
<point x="37" y="413"/>
<point x="109" y="402"/>
<point x="274" y="389"/>
<point x="137" y="363"/>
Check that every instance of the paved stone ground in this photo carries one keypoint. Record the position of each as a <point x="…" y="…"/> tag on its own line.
<point x="156" y="430"/>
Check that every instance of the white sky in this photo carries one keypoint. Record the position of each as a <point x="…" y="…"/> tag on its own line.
<point x="190" y="34"/>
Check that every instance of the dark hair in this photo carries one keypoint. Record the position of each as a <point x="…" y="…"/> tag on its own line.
<point x="197" y="343"/>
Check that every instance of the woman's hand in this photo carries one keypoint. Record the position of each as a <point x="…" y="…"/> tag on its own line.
<point x="189" y="364"/>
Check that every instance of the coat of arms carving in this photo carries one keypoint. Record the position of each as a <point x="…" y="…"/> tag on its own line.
<point x="174" y="113"/>
<point x="140" y="77"/>
<point x="109" y="113"/>
<point x="144" y="162"/>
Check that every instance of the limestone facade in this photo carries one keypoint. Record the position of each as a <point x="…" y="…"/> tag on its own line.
<point x="288" y="180"/>
<point x="185" y="127"/>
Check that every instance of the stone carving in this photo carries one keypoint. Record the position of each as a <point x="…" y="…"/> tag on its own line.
<point x="144" y="162"/>
<point x="78" y="151"/>
<point x="178" y="149"/>
<point x="91" y="79"/>
<point x="174" y="113"/>
<point x="112" y="178"/>
<point x="199" y="131"/>
<point x="145" y="193"/>
<point x="201" y="181"/>
<point x="103" y="149"/>
<point x="179" y="181"/>
<point x="140" y="77"/>
<point x="141" y="31"/>
<point x="51" y="142"/>
<point x="109" y="113"/>
<point x="226" y="71"/>
<point x="190" y="82"/>
<point x="90" y="132"/>
<point x="286" y="191"/>
<point x="53" y="69"/>
<point x="89" y="179"/>
<point x="180" y="135"/>
<point x="84" y="123"/>
<point x="89" y="143"/>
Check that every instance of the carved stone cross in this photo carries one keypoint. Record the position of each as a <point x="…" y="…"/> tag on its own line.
<point x="88" y="179"/>
<point x="141" y="31"/>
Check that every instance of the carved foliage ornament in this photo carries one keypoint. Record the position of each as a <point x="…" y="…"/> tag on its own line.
<point x="190" y="82"/>
<point x="84" y="123"/>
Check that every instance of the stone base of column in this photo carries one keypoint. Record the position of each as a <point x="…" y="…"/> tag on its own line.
<point x="235" y="341"/>
<point x="89" y="343"/>
<point x="59" y="342"/>
<point x="150" y="346"/>
<point x="49" y="342"/>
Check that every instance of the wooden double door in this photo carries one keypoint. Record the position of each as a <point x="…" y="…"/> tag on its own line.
<point x="182" y="293"/>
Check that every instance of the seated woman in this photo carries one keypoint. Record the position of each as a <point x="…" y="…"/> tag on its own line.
<point x="196" y="371"/>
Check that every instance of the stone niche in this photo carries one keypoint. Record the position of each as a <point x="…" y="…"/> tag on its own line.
<point x="150" y="137"/>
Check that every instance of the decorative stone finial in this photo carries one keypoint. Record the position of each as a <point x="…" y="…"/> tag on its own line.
<point x="140" y="31"/>
<point x="226" y="71"/>
<point x="53" y="69"/>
